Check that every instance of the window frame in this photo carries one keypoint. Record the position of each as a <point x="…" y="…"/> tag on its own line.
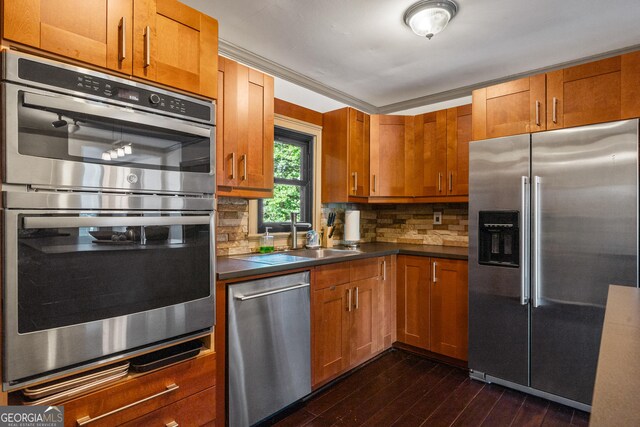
<point x="306" y="143"/>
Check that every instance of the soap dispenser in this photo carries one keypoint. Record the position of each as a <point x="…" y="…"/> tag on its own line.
<point x="266" y="242"/>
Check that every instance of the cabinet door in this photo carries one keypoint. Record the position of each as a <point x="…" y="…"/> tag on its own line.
<point x="585" y="94"/>
<point x="330" y="338"/>
<point x="458" y="137"/>
<point x="509" y="108"/>
<point x="388" y="281"/>
<point x="391" y="155"/>
<point x="366" y="320"/>
<point x="244" y="128"/>
<point x="631" y="85"/>
<point x="430" y="154"/>
<point x="175" y="45"/>
<point x="449" y="308"/>
<point x="358" y="142"/>
<point x="94" y="31"/>
<point x="413" y="288"/>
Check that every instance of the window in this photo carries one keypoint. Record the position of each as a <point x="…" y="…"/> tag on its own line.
<point x="293" y="182"/>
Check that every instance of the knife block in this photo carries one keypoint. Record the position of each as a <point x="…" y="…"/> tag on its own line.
<point x="326" y="241"/>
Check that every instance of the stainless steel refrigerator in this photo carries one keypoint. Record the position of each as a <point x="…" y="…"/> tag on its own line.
<point x="553" y="220"/>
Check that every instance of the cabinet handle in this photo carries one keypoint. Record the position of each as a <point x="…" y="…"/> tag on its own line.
<point x="147" y="46"/>
<point x="374" y="182"/>
<point x="435" y="278"/>
<point x="349" y="299"/>
<point x="439" y="182"/>
<point x="172" y="424"/>
<point x="122" y="28"/>
<point x="86" y="420"/>
<point x="384" y="270"/>
<point x="555" y="110"/>
<point x="357" y="298"/>
<point x="243" y="159"/>
<point x="537" y="113"/>
<point x="233" y="165"/>
<point x="450" y="182"/>
<point x="355" y="182"/>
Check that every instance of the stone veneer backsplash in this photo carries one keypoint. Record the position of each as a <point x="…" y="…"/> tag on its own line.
<point x="397" y="223"/>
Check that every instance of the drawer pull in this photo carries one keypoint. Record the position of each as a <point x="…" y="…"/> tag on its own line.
<point x="172" y="424"/>
<point x="86" y="420"/>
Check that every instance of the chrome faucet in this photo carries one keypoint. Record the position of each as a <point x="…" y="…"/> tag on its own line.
<point x="294" y="229"/>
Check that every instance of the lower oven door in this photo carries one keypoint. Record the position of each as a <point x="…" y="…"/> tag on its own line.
<point x="84" y="286"/>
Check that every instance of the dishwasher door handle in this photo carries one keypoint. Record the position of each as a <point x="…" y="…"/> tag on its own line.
<point x="241" y="297"/>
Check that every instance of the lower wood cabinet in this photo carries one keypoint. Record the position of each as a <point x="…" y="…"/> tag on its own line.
<point x="432" y="304"/>
<point x="183" y="393"/>
<point x="348" y="316"/>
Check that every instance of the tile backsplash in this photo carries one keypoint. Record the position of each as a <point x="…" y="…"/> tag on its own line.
<point x="398" y="223"/>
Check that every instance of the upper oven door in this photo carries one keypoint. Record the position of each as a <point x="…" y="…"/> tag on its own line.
<point x="61" y="141"/>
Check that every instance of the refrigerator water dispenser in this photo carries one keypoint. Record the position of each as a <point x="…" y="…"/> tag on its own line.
<point x="498" y="238"/>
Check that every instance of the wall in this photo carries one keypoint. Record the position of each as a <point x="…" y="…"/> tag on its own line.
<point x="378" y="223"/>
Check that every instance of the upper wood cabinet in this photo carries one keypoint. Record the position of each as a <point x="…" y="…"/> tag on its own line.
<point x="97" y="32"/>
<point x="244" y="131"/>
<point x="432" y="299"/>
<point x="441" y="161"/>
<point x="391" y="156"/>
<point x="596" y="92"/>
<point x="175" y="45"/>
<point x="345" y="156"/>
<point x="510" y="108"/>
<point x="162" y="41"/>
<point x="430" y="162"/>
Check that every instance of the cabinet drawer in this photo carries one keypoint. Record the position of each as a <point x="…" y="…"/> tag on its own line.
<point x="138" y="396"/>
<point x="331" y="275"/>
<point x="195" y="410"/>
<point x="365" y="268"/>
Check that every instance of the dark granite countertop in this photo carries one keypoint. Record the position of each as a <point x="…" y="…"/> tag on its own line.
<point x="615" y="396"/>
<point x="232" y="267"/>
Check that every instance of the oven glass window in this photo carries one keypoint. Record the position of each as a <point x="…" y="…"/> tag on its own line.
<point x="65" y="135"/>
<point x="73" y="275"/>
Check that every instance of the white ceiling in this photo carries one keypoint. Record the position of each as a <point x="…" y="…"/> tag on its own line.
<point x="361" y="53"/>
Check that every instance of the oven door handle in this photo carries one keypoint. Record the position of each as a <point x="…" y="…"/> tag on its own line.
<point x="88" y="108"/>
<point x="32" y="222"/>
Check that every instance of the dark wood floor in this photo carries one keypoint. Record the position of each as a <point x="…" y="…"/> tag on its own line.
<point x="401" y="389"/>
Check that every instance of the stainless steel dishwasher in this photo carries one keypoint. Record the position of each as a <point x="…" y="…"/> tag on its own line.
<point x="269" y="346"/>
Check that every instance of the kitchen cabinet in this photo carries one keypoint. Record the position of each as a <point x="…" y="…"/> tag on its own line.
<point x="345" y="156"/>
<point x="413" y="293"/>
<point x="244" y="131"/>
<point x="188" y="388"/>
<point x="431" y="153"/>
<point x="449" y="308"/>
<point x="175" y="45"/>
<point x="458" y="138"/>
<point x="432" y="303"/>
<point x="163" y="41"/>
<point x="347" y="317"/>
<point x="389" y="334"/>
<point x="595" y="92"/>
<point x="509" y="108"/>
<point x="391" y="155"/>
<point x="102" y="36"/>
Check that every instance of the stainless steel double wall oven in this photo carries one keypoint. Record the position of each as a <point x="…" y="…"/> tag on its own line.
<point x="108" y="217"/>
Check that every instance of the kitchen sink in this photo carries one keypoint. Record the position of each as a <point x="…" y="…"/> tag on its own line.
<point x="324" y="253"/>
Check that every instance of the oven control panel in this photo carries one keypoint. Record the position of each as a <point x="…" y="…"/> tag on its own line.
<point x="98" y="86"/>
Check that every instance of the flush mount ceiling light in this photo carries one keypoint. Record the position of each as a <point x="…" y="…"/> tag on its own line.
<point x="428" y="18"/>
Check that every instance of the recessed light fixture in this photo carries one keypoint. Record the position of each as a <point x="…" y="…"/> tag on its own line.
<point x="427" y="18"/>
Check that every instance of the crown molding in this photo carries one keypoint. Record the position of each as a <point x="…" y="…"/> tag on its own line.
<point x="240" y="54"/>
<point x="237" y="53"/>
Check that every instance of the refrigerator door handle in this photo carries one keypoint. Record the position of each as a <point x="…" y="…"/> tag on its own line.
<point x="535" y="259"/>
<point x="524" y="238"/>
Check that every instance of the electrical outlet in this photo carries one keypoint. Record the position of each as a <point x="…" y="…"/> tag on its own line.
<point x="437" y="218"/>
